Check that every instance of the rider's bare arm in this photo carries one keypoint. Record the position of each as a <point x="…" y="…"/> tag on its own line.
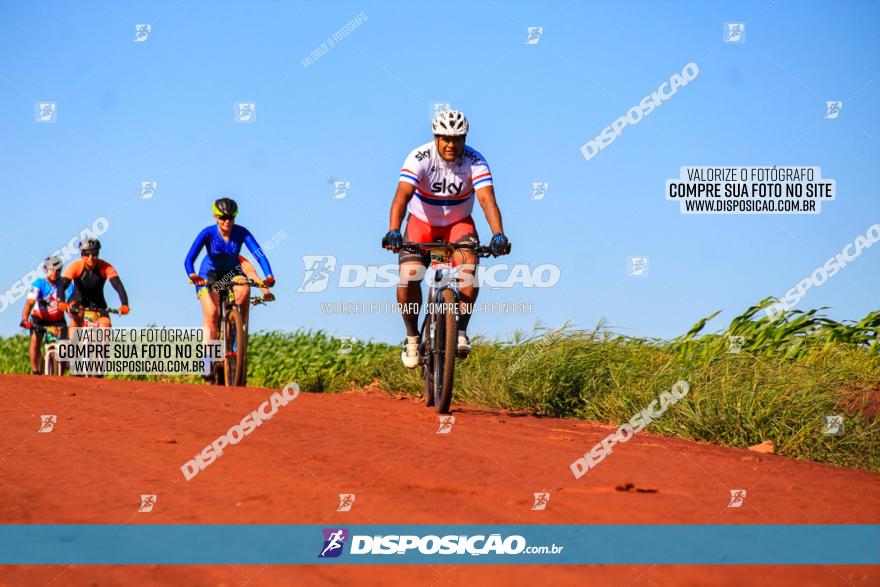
<point x="26" y="312"/>
<point x="486" y="196"/>
<point x="402" y="196"/>
<point x="251" y="273"/>
<point x="248" y="269"/>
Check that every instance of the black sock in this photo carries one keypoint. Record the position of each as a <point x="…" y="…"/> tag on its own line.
<point x="463" y="320"/>
<point x="412" y="324"/>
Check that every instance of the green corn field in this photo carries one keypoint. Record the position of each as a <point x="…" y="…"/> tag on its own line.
<point x="756" y="380"/>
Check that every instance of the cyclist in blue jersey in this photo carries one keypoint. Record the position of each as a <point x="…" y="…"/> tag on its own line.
<point x="222" y="242"/>
<point x="42" y="309"/>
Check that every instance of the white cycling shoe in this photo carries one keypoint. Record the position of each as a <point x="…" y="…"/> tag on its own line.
<point x="464" y="344"/>
<point x="410" y="353"/>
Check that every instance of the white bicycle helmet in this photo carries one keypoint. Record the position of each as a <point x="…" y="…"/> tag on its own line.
<point x="53" y="262"/>
<point x="450" y="123"/>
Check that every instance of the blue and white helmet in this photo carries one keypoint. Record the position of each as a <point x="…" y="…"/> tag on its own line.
<point x="450" y="123"/>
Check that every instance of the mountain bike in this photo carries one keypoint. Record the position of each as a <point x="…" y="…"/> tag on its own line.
<point x="231" y="371"/>
<point x="438" y="336"/>
<point x="51" y="336"/>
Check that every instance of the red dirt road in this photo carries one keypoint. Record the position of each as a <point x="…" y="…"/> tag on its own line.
<point x="114" y="441"/>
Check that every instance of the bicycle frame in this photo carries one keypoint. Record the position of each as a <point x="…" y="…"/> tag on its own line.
<point x="226" y="306"/>
<point x="438" y="339"/>
<point x="442" y="262"/>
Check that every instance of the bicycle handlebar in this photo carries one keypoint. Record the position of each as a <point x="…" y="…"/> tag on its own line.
<point x="78" y="309"/>
<point x="41" y="327"/>
<point x="211" y="284"/>
<point x="480" y="250"/>
<point x="256" y="301"/>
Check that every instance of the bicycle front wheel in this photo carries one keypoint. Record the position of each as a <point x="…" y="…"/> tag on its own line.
<point x="236" y="347"/>
<point x="51" y="364"/>
<point x="444" y="355"/>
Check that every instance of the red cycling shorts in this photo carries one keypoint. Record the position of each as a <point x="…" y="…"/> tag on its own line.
<point x="419" y="231"/>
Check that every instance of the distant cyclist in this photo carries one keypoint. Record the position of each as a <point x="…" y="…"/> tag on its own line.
<point x="444" y="176"/>
<point x="44" y="301"/>
<point x="222" y="242"/>
<point x="89" y="273"/>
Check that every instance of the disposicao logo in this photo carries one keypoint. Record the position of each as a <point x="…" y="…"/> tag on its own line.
<point x="431" y="544"/>
<point x="334" y="541"/>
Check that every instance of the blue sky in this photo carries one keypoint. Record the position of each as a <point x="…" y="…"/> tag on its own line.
<point x="163" y="110"/>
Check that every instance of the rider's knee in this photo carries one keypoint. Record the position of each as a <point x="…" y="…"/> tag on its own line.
<point x="411" y="276"/>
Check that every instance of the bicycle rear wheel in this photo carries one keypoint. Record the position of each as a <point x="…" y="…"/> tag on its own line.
<point x="444" y="355"/>
<point x="236" y="347"/>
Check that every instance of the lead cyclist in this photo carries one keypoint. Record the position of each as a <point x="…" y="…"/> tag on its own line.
<point x="438" y="183"/>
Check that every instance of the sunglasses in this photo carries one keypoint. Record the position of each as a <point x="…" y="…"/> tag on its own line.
<point x="226" y="217"/>
<point x="89" y="254"/>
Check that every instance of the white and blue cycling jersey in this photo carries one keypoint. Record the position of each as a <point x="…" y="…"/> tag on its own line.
<point x="45" y="296"/>
<point x="444" y="189"/>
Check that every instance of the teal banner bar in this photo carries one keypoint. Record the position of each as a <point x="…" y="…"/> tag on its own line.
<point x="794" y="544"/>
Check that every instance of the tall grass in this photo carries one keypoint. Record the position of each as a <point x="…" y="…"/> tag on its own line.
<point x="788" y="376"/>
